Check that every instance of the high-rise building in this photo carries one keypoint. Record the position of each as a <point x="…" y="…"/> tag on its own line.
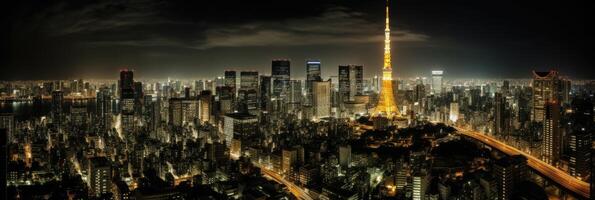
<point x="239" y="125"/>
<point x="500" y="114"/>
<point x="289" y="156"/>
<point x="100" y="176"/>
<point x="57" y="111"/>
<point x="344" y="156"/>
<point x="280" y="71"/>
<point x="126" y="83"/>
<point x="552" y="138"/>
<point x="230" y="80"/>
<point x="248" y="93"/>
<point x="509" y="172"/>
<point x="321" y="99"/>
<point x="104" y="107"/>
<point x="581" y="128"/>
<point x="78" y="112"/>
<point x="7" y="123"/>
<point x="127" y="100"/>
<point x="199" y="86"/>
<point x="387" y="105"/>
<point x="313" y="73"/>
<point x="249" y="80"/>
<point x="265" y="93"/>
<point x="295" y="91"/>
<point x="420" y="182"/>
<point x="545" y="86"/>
<point x="206" y="106"/>
<point x="183" y="110"/>
<point x="350" y="81"/>
<point x="437" y="81"/>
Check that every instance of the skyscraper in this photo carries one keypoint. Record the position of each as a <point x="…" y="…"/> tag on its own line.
<point x="545" y="85"/>
<point x="509" y="172"/>
<point x="230" y="80"/>
<point x="265" y="93"/>
<point x="552" y="138"/>
<point x="127" y="100"/>
<point x="280" y="71"/>
<point x="57" y="111"/>
<point x="104" y="107"/>
<point x="500" y="114"/>
<point x="321" y="99"/>
<point x="126" y="83"/>
<point x="437" y="81"/>
<point x="581" y="127"/>
<point x="313" y="68"/>
<point x="248" y="93"/>
<point x="350" y="81"/>
<point x="248" y="80"/>
<point x="387" y="104"/>
<point x="7" y="123"/>
<point x="100" y="176"/>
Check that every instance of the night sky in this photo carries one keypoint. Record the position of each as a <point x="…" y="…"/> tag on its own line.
<point x="196" y="39"/>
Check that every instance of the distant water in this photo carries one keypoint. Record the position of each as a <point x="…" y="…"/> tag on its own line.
<point x="35" y="109"/>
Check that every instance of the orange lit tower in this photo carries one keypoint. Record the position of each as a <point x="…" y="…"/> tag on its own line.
<point x="387" y="106"/>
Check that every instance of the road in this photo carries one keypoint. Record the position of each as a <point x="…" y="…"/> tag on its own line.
<point x="562" y="178"/>
<point x="294" y="189"/>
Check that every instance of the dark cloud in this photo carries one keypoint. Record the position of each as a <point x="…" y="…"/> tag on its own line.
<point x="193" y="39"/>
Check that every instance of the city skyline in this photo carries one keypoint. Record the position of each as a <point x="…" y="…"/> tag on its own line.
<point x="70" y="40"/>
<point x="311" y="130"/>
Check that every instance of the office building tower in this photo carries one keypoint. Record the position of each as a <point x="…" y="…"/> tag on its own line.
<point x="239" y="125"/>
<point x="126" y="84"/>
<point x="419" y="184"/>
<point x="230" y="81"/>
<point x="344" y="156"/>
<point x="103" y="108"/>
<point x="545" y="86"/>
<point x="199" y="86"/>
<point x="57" y="111"/>
<point x="248" y="93"/>
<point x="581" y="127"/>
<point x="206" y="106"/>
<point x="248" y="80"/>
<point x="437" y="82"/>
<point x="501" y="120"/>
<point x="265" y="93"/>
<point x="313" y="74"/>
<point x="183" y="110"/>
<point x="350" y="81"/>
<point x="289" y="156"/>
<point x="295" y="91"/>
<point x="127" y="101"/>
<point x="509" y="172"/>
<point x="7" y="124"/>
<point x="78" y="113"/>
<point x="280" y="73"/>
<point x="552" y="138"/>
<point x="100" y="176"/>
<point x="321" y="99"/>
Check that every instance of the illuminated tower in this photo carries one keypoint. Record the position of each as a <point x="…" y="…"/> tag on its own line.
<point x="386" y="104"/>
